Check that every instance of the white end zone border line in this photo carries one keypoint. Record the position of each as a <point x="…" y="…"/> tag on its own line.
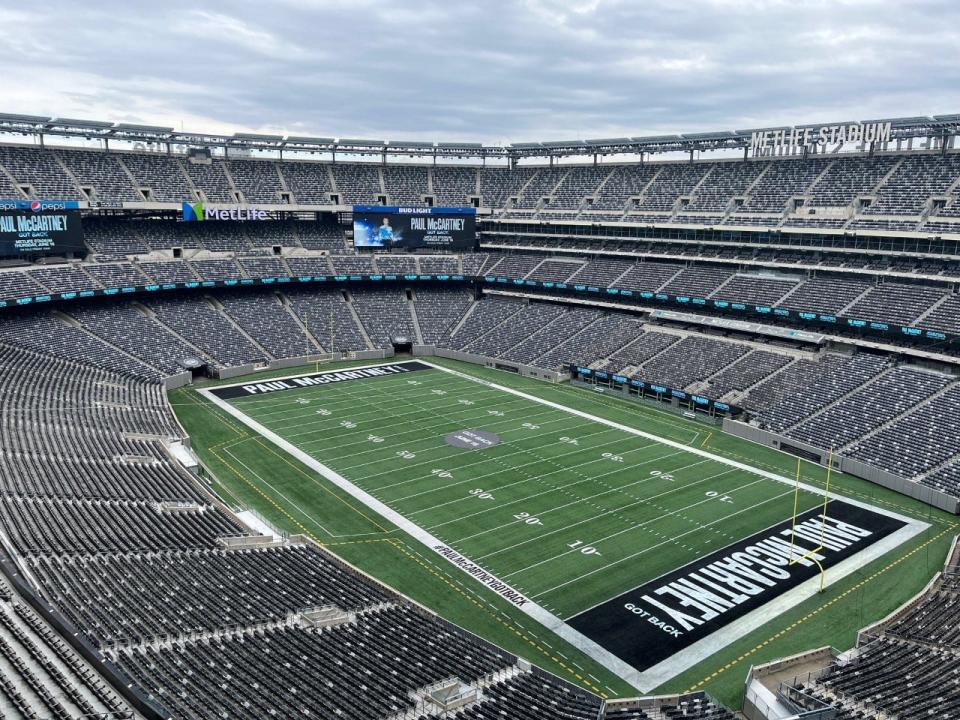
<point x="660" y="673"/>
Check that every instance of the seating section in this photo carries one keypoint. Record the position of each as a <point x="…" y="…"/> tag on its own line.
<point x="104" y="595"/>
<point x="385" y="314"/>
<point x="835" y="378"/>
<point x="41" y="676"/>
<point x="265" y="319"/>
<point x="875" y="404"/>
<point x="692" y="359"/>
<point x="746" y="372"/>
<point x="891" y="187"/>
<point x="357" y="184"/>
<point x="538" y="349"/>
<point x="250" y="675"/>
<point x="918" y="442"/>
<point x="206" y="328"/>
<point x="900" y="669"/>
<point x="438" y="312"/>
<point x="309" y="182"/>
<point x="131" y="330"/>
<point x="102" y="173"/>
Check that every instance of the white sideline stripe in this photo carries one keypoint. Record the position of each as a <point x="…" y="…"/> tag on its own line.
<point x="680" y="661"/>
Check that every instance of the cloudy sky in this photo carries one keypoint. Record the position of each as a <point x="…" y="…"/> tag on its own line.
<point x="493" y="71"/>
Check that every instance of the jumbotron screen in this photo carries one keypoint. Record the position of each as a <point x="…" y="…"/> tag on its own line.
<point x="39" y="233"/>
<point x="377" y="226"/>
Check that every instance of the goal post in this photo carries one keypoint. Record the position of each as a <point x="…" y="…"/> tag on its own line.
<point x="814" y="553"/>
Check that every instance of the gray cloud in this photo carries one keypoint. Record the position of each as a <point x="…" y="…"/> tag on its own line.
<point x="491" y="71"/>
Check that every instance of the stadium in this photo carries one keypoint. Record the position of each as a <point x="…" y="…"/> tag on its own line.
<point x="454" y="430"/>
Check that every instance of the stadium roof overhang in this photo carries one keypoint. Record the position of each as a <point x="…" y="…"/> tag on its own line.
<point x="901" y="129"/>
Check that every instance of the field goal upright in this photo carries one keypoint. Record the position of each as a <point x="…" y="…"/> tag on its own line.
<point x="811" y="555"/>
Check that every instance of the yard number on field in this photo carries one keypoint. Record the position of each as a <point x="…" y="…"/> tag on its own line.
<point x="584" y="549"/>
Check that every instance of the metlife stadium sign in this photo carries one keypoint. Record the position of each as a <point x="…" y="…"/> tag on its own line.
<point x="791" y="140"/>
<point x="376" y="226"/>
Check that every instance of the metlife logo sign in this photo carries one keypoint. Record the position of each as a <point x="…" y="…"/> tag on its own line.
<point x="198" y="212"/>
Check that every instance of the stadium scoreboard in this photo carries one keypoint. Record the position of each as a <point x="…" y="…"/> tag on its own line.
<point x="34" y="233"/>
<point x="436" y="228"/>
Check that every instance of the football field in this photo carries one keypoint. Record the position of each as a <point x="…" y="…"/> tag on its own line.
<point x="552" y="508"/>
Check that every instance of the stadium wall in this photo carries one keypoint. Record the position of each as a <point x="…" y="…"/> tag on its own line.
<point x="841" y="463"/>
<point x="495" y="363"/>
<point x="227" y="373"/>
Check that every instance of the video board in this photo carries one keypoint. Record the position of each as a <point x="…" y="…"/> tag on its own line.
<point x="376" y="226"/>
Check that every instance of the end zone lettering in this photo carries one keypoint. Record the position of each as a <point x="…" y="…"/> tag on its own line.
<point x="654" y="621"/>
<point x="306" y="381"/>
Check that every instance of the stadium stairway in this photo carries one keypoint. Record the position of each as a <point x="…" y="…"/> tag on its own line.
<point x="412" y="307"/>
<point x="356" y="320"/>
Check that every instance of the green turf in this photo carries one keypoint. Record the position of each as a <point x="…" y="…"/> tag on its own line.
<point x="569" y="511"/>
<point x="611" y="501"/>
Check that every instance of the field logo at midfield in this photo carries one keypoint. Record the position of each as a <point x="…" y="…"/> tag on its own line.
<point x="472" y="439"/>
<point x="192" y="212"/>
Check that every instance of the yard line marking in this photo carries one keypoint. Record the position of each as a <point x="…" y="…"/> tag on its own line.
<point x="557" y="488"/>
<point x="302" y="411"/>
<point x="665" y="542"/>
<point x="334" y="423"/>
<point x="642" y="524"/>
<point x="459" y="468"/>
<point x="588" y="497"/>
<point x="500" y="472"/>
<point x="671" y="443"/>
<point x="338" y="396"/>
<point x="420" y="429"/>
<point x="487" y="424"/>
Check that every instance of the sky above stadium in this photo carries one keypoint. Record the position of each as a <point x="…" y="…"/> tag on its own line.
<point x="491" y="71"/>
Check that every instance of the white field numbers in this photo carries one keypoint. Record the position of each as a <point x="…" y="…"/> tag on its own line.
<point x="584" y="549"/>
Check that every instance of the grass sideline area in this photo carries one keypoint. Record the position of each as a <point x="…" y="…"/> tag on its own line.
<point x="252" y="472"/>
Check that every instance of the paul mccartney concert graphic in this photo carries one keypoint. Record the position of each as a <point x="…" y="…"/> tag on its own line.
<point x="377" y="226"/>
